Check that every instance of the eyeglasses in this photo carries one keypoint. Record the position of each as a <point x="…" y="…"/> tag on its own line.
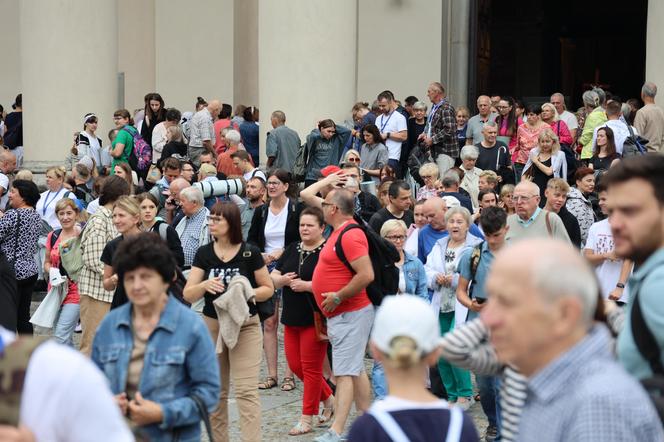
<point x="396" y="237"/>
<point x="353" y="160"/>
<point x="214" y="219"/>
<point x="273" y="183"/>
<point x="426" y="177"/>
<point x="524" y="198"/>
<point x="502" y="107"/>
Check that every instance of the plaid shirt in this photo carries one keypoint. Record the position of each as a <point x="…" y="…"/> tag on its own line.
<point x="585" y="395"/>
<point x="201" y="128"/>
<point x="442" y="123"/>
<point x="97" y="233"/>
<point x="194" y="233"/>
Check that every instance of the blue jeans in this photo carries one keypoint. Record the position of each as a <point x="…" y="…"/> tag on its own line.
<point x="66" y="323"/>
<point x="378" y="382"/>
<point x="490" y="398"/>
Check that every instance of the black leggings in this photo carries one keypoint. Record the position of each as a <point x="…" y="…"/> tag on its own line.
<point x="25" y="288"/>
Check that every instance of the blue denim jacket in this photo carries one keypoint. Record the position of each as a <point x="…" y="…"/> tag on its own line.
<point x="416" y="277"/>
<point x="180" y="361"/>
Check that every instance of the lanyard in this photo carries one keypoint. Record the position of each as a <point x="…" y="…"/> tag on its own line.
<point x="47" y="202"/>
<point x="433" y="111"/>
<point x="384" y="122"/>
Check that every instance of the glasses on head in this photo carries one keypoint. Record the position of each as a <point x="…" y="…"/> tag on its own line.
<point x="273" y="183"/>
<point x="396" y="237"/>
<point x="524" y="198"/>
<point x="212" y="219"/>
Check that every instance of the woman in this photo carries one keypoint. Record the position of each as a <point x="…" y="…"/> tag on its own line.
<point x="19" y="230"/>
<point x="471" y="174"/>
<point x="413" y="232"/>
<point x="305" y="353"/>
<point x="126" y="219"/>
<point x="273" y="228"/>
<point x="604" y="152"/>
<point x="123" y="171"/>
<point x="249" y="131"/>
<point x="87" y="143"/>
<point x="429" y="173"/>
<point x="527" y="136"/>
<point x="383" y="191"/>
<point x="415" y="126"/>
<point x="506" y="193"/>
<point x="325" y="146"/>
<point x="123" y="144"/>
<point x="155" y="113"/>
<point x="350" y="157"/>
<point x="545" y="162"/>
<point x="578" y="200"/>
<point x="405" y="339"/>
<point x="155" y="352"/>
<point x="412" y="276"/>
<point x="67" y="212"/>
<point x="55" y="185"/>
<point x="387" y="173"/>
<point x="214" y="266"/>
<point x="550" y="116"/>
<point x="462" y="117"/>
<point x="442" y="276"/>
<point x="175" y="144"/>
<point x="373" y="154"/>
<point x="507" y="122"/>
<point x="595" y="117"/>
<point x="149" y="207"/>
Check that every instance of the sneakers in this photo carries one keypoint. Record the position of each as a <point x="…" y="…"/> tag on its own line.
<point x="329" y="436"/>
<point x="491" y="433"/>
<point x="465" y="402"/>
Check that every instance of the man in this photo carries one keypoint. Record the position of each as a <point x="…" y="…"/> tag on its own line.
<point x="619" y="128"/>
<point x="451" y="185"/>
<point x="341" y="296"/>
<point x="649" y="120"/>
<point x="495" y="99"/>
<point x="636" y="215"/>
<point x="397" y="208"/>
<point x="439" y="133"/>
<point x="368" y="202"/>
<point x="393" y="129"/>
<point x="225" y="163"/>
<point x="255" y="197"/>
<point x="408" y="105"/>
<point x="193" y="227"/>
<point x="201" y="132"/>
<point x="542" y="298"/>
<point x="159" y="140"/>
<point x="242" y="160"/>
<point x="493" y="154"/>
<point x="488" y="181"/>
<point x="530" y="221"/>
<point x="172" y="169"/>
<point x="476" y="123"/>
<point x="7" y="168"/>
<point x="476" y="270"/>
<point x="558" y="101"/>
<point x="556" y="197"/>
<point x="188" y="171"/>
<point x="172" y="204"/>
<point x="282" y="143"/>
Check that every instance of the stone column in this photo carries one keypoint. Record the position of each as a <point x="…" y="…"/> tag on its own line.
<point x="655" y="46"/>
<point x="455" y="35"/>
<point x="69" y="67"/>
<point x="307" y="62"/>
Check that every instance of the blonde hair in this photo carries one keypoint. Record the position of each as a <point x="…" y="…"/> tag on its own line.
<point x="552" y="108"/>
<point x="506" y="189"/>
<point x="66" y="203"/>
<point x="176" y="133"/>
<point x="59" y="171"/>
<point x="24" y="174"/>
<point x="403" y="353"/>
<point x="490" y="176"/>
<point x="391" y="225"/>
<point x="130" y="205"/>
<point x="547" y="132"/>
<point x="464" y="110"/>
<point x="430" y="169"/>
<point x="558" y="185"/>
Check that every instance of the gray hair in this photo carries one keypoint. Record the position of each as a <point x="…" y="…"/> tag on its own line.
<point x="279" y="116"/>
<point x="562" y="97"/>
<point x="590" y="98"/>
<point x="233" y="137"/>
<point x="193" y="195"/>
<point x="490" y="124"/>
<point x="459" y="210"/>
<point x="601" y="94"/>
<point x="469" y="152"/>
<point x="345" y="200"/>
<point x="626" y="111"/>
<point x="391" y="225"/>
<point x="419" y="105"/>
<point x="649" y="89"/>
<point x="450" y="178"/>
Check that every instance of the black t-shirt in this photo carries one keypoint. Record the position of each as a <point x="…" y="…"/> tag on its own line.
<point x="120" y="296"/>
<point x="571" y="225"/>
<point x="245" y="263"/>
<point x="379" y="218"/>
<point x="298" y="306"/>
<point x="14" y="135"/>
<point x="173" y="147"/>
<point x="488" y="157"/>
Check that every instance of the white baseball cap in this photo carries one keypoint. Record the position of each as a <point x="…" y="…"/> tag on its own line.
<point x="451" y="201"/>
<point x="407" y="316"/>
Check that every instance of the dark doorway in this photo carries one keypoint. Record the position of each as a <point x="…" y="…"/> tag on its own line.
<point x="533" y="48"/>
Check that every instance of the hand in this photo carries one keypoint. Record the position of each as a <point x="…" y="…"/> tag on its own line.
<point x="421" y="136"/>
<point x="9" y="433"/>
<point x="214" y="286"/>
<point x="616" y="294"/>
<point x="276" y="254"/>
<point x="287" y="278"/>
<point x="443" y="280"/>
<point x="609" y="306"/>
<point x="611" y="256"/>
<point x="476" y="306"/>
<point x="144" y="412"/>
<point x="114" y="279"/>
<point x="533" y="156"/>
<point x="267" y="258"/>
<point x="123" y="403"/>
<point x="328" y="303"/>
<point x="337" y="179"/>
<point x="428" y="141"/>
<point x="297" y="285"/>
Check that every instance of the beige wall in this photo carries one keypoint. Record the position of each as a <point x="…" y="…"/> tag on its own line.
<point x="136" y="49"/>
<point x="194" y="51"/>
<point x="399" y="47"/>
<point x="655" y="45"/>
<point x="10" y="79"/>
<point x="245" y="55"/>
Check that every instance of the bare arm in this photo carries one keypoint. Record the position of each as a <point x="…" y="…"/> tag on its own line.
<point x="364" y="275"/>
<point x="116" y="151"/>
<point x="265" y="288"/>
<point x="110" y="278"/>
<point x="310" y="194"/>
<point x="196" y="288"/>
<point x="598" y="258"/>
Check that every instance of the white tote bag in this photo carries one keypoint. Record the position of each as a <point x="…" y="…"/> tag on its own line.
<point x="48" y="310"/>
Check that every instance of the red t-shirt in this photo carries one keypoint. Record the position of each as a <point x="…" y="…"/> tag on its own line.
<point x="72" y="296"/>
<point x="331" y="275"/>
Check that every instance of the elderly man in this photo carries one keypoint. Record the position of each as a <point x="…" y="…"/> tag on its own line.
<point x="476" y="123"/>
<point x="649" y="120"/>
<point x="440" y="130"/>
<point x="530" y="221"/>
<point x="493" y="154"/>
<point x="451" y="184"/>
<point x="558" y="101"/>
<point x="192" y="228"/>
<point x="172" y="203"/>
<point x="540" y="316"/>
<point x="282" y="143"/>
<point x="7" y="168"/>
<point x="201" y="132"/>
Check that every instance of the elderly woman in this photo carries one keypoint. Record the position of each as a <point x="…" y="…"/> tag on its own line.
<point x="351" y="156"/>
<point x="471" y="174"/>
<point x="442" y="278"/>
<point x="578" y="200"/>
<point x="550" y="116"/>
<point x="506" y="193"/>
<point x="429" y="173"/>
<point x="595" y="117"/>
<point x="156" y="353"/>
<point x="19" y="229"/>
<point x="373" y="152"/>
<point x="545" y="162"/>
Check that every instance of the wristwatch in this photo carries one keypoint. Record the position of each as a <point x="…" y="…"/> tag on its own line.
<point x="620" y="285"/>
<point x="388" y="136"/>
<point x="336" y="300"/>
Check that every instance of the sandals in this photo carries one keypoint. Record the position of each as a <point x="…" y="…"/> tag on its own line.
<point x="268" y="383"/>
<point x="301" y="428"/>
<point x="288" y="384"/>
<point x="325" y="419"/>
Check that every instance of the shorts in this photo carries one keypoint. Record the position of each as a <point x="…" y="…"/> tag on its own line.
<point x="349" y="334"/>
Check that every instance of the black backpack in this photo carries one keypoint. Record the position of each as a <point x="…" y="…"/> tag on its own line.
<point x="383" y="258"/>
<point x="634" y="145"/>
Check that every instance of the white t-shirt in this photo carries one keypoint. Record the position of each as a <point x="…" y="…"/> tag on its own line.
<point x="66" y="398"/>
<point x="570" y="120"/>
<point x="620" y="133"/>
<point x="46" y="205"/>
<point x="394" y="122"/>
<point x="4" y="183"/>
<point x="255" y="173"/>
<point x="600" y="240"/>
<point x="275" y="229"/>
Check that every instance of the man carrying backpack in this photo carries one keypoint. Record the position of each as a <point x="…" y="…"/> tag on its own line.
<point x="341" y="295"/>
<point x="474" y="268"/>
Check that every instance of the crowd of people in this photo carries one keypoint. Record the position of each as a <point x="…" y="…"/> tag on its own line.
<point x="415" y="256"/>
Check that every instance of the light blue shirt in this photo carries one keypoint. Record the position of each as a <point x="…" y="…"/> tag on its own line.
<point x="486" y="258"/>
<point x="530" y="220"/>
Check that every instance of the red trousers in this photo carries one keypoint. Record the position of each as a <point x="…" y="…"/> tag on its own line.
<point x="305" y="356"/>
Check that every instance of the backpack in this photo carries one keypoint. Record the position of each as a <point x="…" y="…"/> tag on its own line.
<point x="300" y="165"/>
<point x="475" y="258"/>
<point x="634" y="145"/>
<point x="383" y="257"/>
<point x="141" y="155"/>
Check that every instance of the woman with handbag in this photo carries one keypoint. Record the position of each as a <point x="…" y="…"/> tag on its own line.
<point x="67" y="212"/>
<point x="305" y="339"/>
<point x="19" y="231"/>
<point x="214" y="265"/>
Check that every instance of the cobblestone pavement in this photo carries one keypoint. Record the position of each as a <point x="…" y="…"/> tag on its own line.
<point x="280" y="409"/>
